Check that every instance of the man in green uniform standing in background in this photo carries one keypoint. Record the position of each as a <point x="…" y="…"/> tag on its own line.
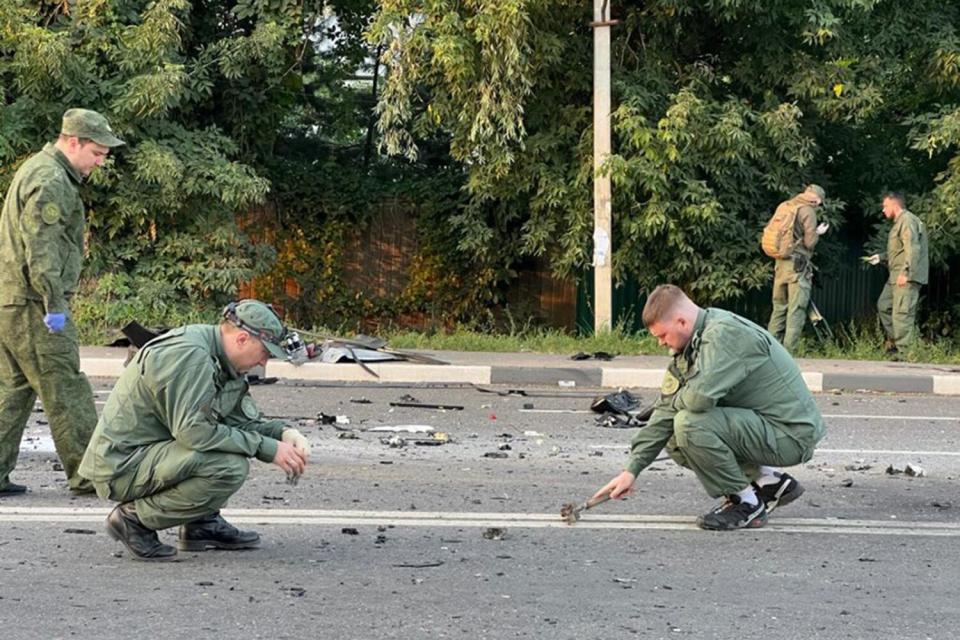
<point x="42" y="229"/>
<point x="793" y="275"/>
<point x="173" y="442"/>
<point x="908" y="262"/>
<point x="732" y="407"/>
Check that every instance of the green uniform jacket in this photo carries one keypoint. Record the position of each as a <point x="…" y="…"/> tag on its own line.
<point x="907" y="250"/>
<point x="729" y="362"/>
<point x="41" y="233"/>
<point x="180" y="387"/>
<point x="804" y="238"/>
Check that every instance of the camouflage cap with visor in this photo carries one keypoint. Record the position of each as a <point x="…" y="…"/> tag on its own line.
<point x="84" y="123"/>
<point x="260" y="321"/>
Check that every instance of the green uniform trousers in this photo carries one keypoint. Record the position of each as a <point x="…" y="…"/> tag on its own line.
<point x="34" y="361"/>
<point x="897" y="307"/>
<point x="790" y="302"/>
<point x="173" y="484"/>
<point x="725" y="447"/>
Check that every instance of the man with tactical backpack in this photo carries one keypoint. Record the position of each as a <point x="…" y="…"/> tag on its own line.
<point x="789" y="237"/>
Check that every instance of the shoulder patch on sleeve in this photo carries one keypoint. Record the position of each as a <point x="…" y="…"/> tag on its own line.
<point x="50" y="213"/>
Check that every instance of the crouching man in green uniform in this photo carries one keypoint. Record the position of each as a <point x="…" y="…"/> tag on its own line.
<point x="732" y="407"/>
<point x="175" y="436"/>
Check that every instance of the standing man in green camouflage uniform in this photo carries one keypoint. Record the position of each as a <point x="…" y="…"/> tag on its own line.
<point x="908" y="262"/>
<point x="732" y="407"/>
<point x="173" y="442"/>
<point x="41" y="251"/>
<point x="793" y="275"/>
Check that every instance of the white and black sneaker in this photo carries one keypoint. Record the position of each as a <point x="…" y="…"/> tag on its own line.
<point x="780" y="493"/>
<point x="733" y="513"/>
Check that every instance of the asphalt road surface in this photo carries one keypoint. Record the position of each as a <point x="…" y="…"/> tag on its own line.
<point x="445" y="541"/>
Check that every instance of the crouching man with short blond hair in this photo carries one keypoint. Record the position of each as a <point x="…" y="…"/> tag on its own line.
<point x="733" y="407"/>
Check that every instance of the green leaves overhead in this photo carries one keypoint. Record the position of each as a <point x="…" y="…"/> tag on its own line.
<point x="721" y="110"/>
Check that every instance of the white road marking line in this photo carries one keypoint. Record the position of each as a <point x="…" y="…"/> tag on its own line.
<point x="556" y="411"/>
<point x="60" y="515"/>
<point x="830" y="416"/>
<point x="864" y="416"/>
<point x="899" y="452"/>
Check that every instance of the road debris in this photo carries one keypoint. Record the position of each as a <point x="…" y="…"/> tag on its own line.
<point x="349" y="531"/>
<point x="427" y="405"/>
<point x="395" y="442"/>
<point x="495" y="533"/>
<point x="570" y="512"/>
<point x="86" y="532"/>
<point x="496" y="454"/>
<point x="403" y="428"/>
<point x="908" y="469"/>
<point x="419" y="565"/>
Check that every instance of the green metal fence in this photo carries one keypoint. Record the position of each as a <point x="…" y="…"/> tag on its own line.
<point x="848" y="294"/>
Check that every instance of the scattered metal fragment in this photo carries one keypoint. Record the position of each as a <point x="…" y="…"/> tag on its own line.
<point x="295" y="592"/>
<point x="325" y="418"/>
<point x="361" y="401"/>
<point x="436" y="440"/>
<point x="428" y="405"/>
<point x="909" y="469"/>
<point x="395" y="442"/>
<point x="847" y="482"/>
<point x="858" y="465"/>
<point x="403" y="428"/>
<point x="348" y="435"/>
<point x="350" y="531"/>
<point x="570" y="512"/>
<point x="419" y="565"/>
<point x="86" y="532"/>
<point x="495" y="533"/>
<point x="496" y="454"/>
<point x="915" y="471"/>
<point x="503" y="446"/>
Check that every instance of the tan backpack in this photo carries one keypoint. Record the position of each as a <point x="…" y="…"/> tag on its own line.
<point x="778" y="239"/>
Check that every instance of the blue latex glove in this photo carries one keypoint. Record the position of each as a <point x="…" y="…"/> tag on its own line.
<point x="55" y="321"/>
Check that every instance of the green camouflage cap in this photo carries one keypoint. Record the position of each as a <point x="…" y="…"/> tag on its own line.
<point x="816" y="190"/>
<point x="260" y="321"/>
<point x="85" y="123"/>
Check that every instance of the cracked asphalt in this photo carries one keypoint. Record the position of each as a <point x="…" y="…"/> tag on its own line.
<point x="847" y="575"/>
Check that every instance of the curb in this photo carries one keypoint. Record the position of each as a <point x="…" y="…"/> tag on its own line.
<point x="591" y="377"/>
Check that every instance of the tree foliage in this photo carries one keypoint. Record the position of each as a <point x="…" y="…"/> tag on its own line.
<point x="198" y="92"/>
<point x="722" y="108"/>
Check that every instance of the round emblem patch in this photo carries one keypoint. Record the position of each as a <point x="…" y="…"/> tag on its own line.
<point x="50" y="213"/>
<point x="669" y="385"/>
<point x="249" y="408"/>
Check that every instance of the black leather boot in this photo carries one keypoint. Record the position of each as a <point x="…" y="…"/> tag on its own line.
<point x="13" y="489"/>
<point x="214" y="532"/>
<point x="124" y="525"/>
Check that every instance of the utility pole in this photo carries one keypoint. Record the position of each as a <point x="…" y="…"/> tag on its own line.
<point x="602" y="247"/>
